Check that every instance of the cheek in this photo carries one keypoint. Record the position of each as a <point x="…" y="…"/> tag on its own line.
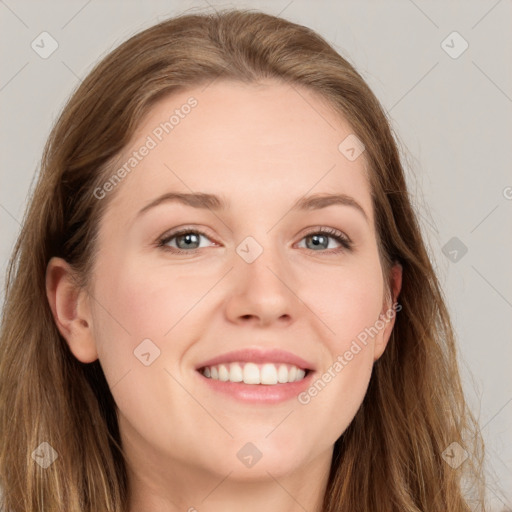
<point x="350" y="309"/>
<point x="347" y="300"/>
<point x="129" y="307"/>
<point x="141" y="302"/>
<point x="134" y="304"/>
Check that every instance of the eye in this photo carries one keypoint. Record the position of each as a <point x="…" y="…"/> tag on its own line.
<point x="186" y="238"/>
<point x="320" y="239"/>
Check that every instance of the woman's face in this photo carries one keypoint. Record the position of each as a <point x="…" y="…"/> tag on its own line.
<point x="255" y="276"/>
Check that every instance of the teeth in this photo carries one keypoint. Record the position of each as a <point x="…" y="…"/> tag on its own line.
<point x="282" y="374"/>
<point x="269" y="374"/>
<point x="235" y="373"/>
<point x="251" y="373"/>
<point x="223" y="373"/>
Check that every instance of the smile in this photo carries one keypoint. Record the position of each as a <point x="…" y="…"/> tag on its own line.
<point x="251" y="373"/>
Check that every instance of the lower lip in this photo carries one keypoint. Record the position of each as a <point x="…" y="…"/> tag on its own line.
<point x="259" y="393"/>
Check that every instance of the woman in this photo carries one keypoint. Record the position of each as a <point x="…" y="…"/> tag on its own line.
<point x="299" y="357"/>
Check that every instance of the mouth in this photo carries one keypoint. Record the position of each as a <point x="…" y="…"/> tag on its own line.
<point x="257" y="375"/>
<point x="268" y="374"/>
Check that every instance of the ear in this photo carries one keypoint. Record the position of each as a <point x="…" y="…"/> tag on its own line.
<point x="388" y="312"/>
<point x="71" y="310"/>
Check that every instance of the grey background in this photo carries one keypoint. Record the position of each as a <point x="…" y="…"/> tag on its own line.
<point x="452" y="116"/>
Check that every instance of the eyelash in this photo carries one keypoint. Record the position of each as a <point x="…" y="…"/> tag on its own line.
<point x="346" y="243"/>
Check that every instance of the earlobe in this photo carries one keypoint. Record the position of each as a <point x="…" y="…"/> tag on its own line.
<point x="389" y="312"/>
<point x="71" y="310"/>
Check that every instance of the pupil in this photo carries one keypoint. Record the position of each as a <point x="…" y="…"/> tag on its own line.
<point x="187" y="238"/>
<point x="315" y="239"/>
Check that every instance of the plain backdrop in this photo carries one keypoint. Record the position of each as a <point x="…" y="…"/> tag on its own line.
<point x="448" y="97"/>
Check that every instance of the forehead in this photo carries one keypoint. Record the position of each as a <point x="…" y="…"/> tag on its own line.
<point x="252" y="143"/>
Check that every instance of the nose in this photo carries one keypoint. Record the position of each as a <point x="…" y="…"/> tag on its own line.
<point x="261" y="291"/>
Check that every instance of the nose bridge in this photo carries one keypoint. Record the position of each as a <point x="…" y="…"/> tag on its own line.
<point x="261" y="279"/>
<point x="259" y="254"/>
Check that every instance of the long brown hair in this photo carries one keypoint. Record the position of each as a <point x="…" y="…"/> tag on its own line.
<point x="391" y="456"/>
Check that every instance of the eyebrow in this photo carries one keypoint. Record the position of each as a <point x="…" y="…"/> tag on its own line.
<point x="216" y="203"/>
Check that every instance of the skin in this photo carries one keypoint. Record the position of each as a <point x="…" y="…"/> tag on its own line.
<point x="262" y="147"/>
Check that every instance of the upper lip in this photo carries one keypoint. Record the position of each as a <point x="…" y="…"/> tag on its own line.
<point x="257" y="355"/>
